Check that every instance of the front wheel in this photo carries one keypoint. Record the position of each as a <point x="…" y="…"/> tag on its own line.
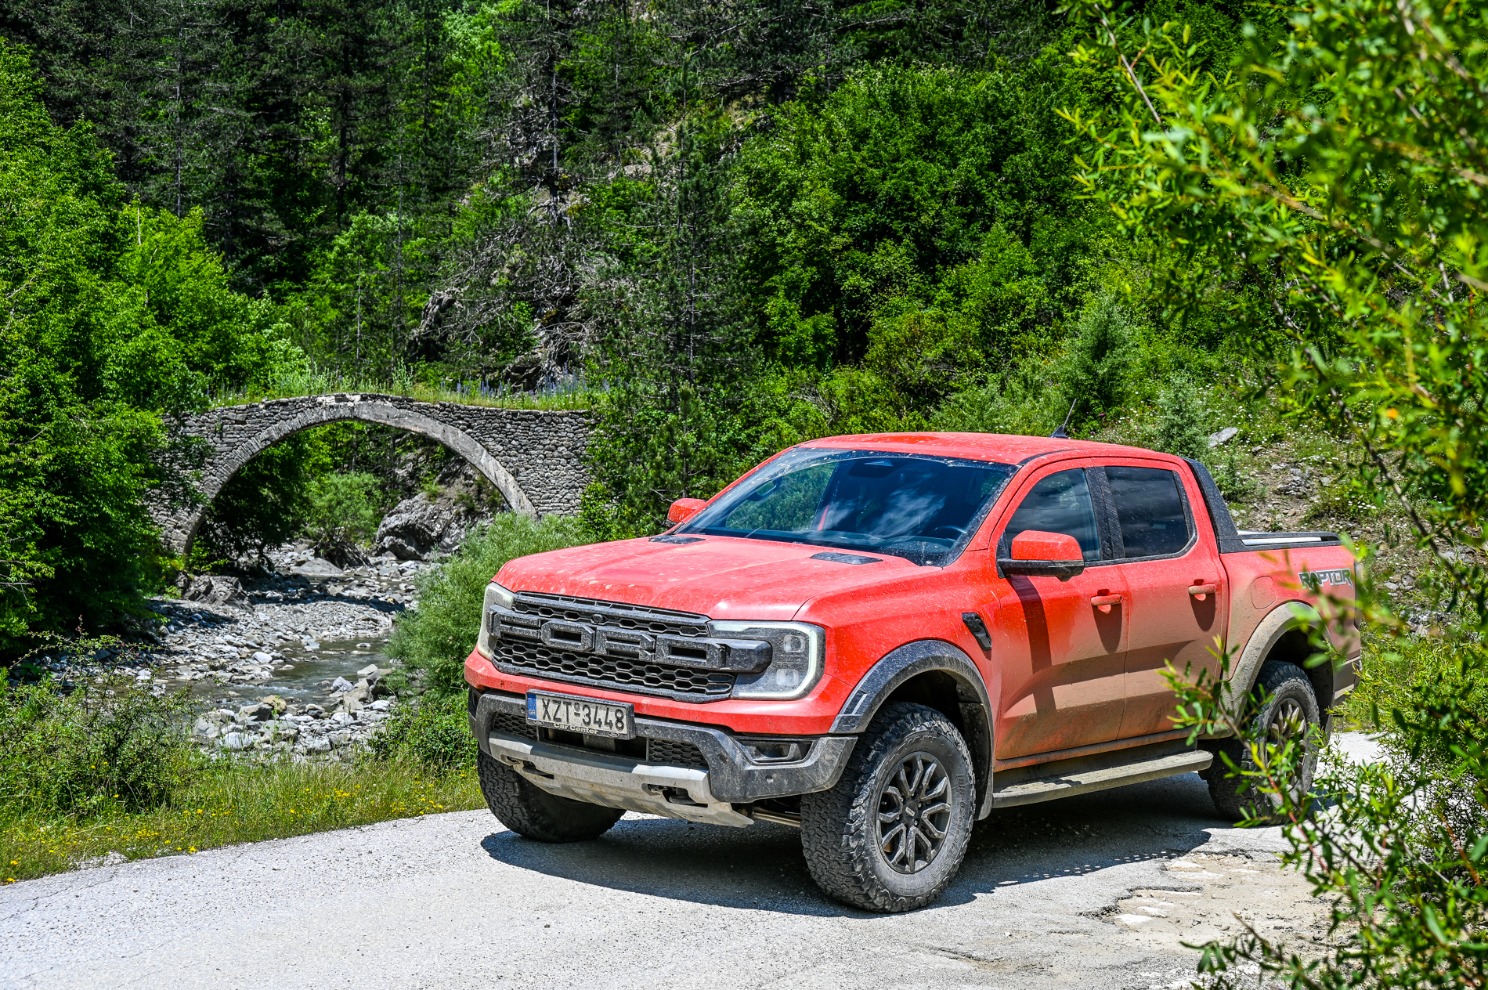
<point x="530" y="811"/>
<point x="893" y="831"/>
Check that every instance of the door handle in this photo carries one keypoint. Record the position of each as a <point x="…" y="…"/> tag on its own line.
<point x="1202" y="591"/>
<point x="1104" y="602"/>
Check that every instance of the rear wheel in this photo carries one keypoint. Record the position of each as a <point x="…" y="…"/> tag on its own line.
<point x="1284" y="710"/>
<point x="892" y="833"/>
<point x="530" y="811"/>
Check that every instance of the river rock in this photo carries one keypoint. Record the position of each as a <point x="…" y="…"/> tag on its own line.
<point x="256" y="713"/>
<point x="214" y="589"/>
<point x="239" y="740"/>
<point x="316" y="567"/>
<point x="315" y="744"/>
<point x="414" y="527"/>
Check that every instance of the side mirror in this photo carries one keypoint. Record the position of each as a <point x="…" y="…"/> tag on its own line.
<point x="684" y="509"/>
<point x="1035" y="552"/>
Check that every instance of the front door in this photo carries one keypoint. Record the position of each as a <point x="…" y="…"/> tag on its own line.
<point x="1177" y="590"/>
<point x="1059" y="643"/>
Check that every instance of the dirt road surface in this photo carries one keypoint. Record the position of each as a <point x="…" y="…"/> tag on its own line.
<point x="1099" y="891"/>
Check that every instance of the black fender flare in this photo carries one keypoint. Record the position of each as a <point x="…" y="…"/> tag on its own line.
<point x="901" y="665"/>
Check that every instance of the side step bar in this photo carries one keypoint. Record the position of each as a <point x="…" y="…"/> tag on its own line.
<point x="1064" y="778"/>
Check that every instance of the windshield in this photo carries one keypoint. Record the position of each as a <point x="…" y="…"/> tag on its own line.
<point x="908" y="505"/>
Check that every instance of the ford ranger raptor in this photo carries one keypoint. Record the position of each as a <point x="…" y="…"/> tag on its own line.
<point x="880" y="640"/>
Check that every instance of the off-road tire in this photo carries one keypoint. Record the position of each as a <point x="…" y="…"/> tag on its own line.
<point x="1282" y="690"/>
<point x="840" y="828"/>
<point x="531" y="811"/>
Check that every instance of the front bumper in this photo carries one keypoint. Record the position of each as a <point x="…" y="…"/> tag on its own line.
<point x="719" y="792"/>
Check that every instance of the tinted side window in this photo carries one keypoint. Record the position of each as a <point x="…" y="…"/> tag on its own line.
<point x="1059" y="504"/>
<point x="1149" y="507"/>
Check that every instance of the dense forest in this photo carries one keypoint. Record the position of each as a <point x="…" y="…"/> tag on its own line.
<point x="727" y="227"/>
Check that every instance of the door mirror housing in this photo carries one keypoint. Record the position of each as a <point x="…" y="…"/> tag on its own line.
<point x="684" y="509"/>
<point x="1035" y="552"/>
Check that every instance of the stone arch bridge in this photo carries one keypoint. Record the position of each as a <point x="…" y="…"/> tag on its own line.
<point x="533" y="457"/>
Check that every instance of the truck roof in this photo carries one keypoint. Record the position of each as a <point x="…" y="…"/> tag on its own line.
<point x="1005" y="448"/>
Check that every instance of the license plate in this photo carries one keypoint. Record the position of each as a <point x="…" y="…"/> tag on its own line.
<point x="594" y="718"/>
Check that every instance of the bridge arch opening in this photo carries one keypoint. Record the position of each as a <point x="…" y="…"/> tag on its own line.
<point x="227" y="462"/>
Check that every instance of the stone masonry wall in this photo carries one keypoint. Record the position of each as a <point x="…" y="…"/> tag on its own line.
<point x="534" y="457"/>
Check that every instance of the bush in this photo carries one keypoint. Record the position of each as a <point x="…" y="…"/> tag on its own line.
<point x="433" y="733"/>
<point x="1401" y="852"/>
<point x="343" y="513"/>
<point x="107" y="745"/>
<point x="434" y="639"/>
<point x="1180" y="421"/>
<point x="1098" y="370"/>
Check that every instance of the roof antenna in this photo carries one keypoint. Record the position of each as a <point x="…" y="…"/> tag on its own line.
<point x="1062" y="432"/>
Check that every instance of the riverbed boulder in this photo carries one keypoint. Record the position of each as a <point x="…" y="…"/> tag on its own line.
<point x="414" y="527"/>
<point x="316" y="568"/>
<point x="213" y="589"/>
<point x="239" y="741"/>
<point x="256" y="713"/>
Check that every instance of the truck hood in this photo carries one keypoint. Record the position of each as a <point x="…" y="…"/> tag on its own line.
<point x="718" y="576"/>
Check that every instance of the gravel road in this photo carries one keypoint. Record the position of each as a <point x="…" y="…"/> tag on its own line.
<point x="1098" y="891"/>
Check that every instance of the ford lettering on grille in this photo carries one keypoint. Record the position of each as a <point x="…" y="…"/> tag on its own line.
<point x="650" y="651"/>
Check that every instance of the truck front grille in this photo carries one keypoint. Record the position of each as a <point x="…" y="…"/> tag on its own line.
<point x="629" y="675"/>
<point x="606" y="644"/>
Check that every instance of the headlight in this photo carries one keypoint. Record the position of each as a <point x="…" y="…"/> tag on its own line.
<point x="495" y="595"/>
<point x="795" y="657"/>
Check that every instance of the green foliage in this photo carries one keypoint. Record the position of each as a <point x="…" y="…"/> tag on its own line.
<point x="1334" y="168"/>
<point x="434" y="639"/>
<point x="1181" y="427"/>
<point x="433" y="733"/>
<point x="109" y="767"/>
<point x="1400" y="853"/>
<point x="116" y="315"/>
<point x="1099" y="369"/>
<point x="912" y="189"/>
<point x="343" y="512"/>
<point x="105" y="746"/>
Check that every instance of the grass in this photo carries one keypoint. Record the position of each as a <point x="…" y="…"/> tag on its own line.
<point x="236" y="801"/>
<point x="295" y="385"/>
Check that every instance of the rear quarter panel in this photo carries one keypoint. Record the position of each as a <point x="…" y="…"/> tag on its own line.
<point x="1322" y="578"/>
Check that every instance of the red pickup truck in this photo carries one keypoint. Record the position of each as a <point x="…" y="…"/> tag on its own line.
<point x="881" y="639"/>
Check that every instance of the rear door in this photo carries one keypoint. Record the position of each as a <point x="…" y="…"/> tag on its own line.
<point x="1059" y="644"/>
<point x="1177" y="594"/>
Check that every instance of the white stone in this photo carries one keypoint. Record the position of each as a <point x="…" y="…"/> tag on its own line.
<point x="1223" y="436"/>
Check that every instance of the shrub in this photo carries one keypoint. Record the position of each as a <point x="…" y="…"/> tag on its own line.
<point x="106" y="745"/>
<point x="1180" y="421"/>
<point x="343" y="513"/>
<point x="1400" y="855"/>
<point x="1098" y="369"/>
<point x="434" y="639"/>
<point x="434" y="733"/>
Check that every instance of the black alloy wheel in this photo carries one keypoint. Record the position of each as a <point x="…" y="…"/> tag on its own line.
<point x="890" y="835"/>
<point x="914" y="813"/>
